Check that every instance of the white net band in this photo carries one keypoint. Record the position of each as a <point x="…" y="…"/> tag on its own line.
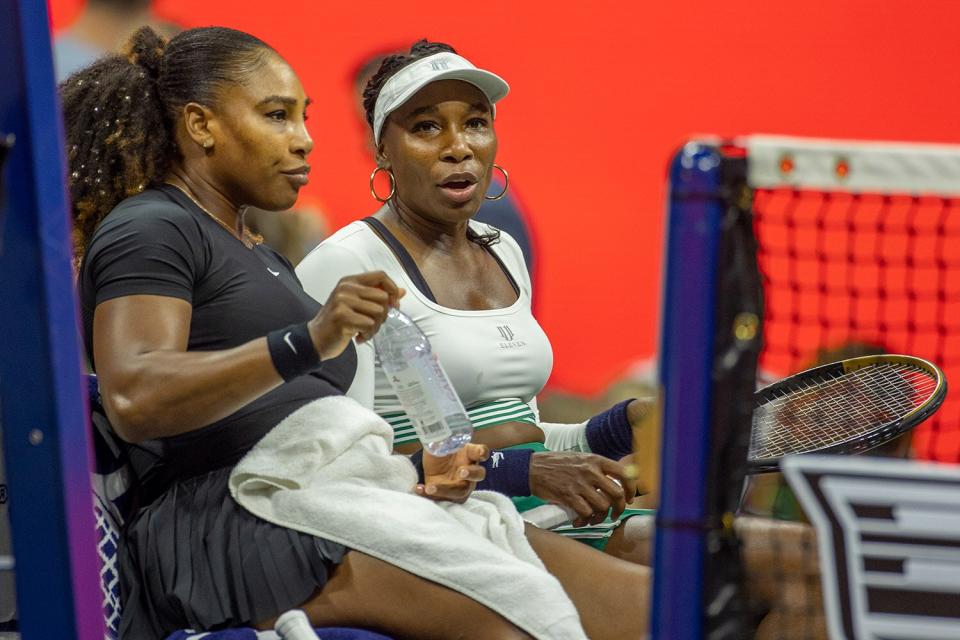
<point x="856" y="167"/>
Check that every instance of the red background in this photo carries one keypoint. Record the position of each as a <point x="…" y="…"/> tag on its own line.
<point x="602" y="93"/>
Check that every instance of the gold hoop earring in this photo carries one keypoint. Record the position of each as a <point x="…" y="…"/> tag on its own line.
<point x="506" y="183"/>
<point x="393" y="185"/>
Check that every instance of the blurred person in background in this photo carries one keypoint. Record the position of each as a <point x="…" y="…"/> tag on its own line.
<point x="292" y="233"/>
<point x="102" y="27"/>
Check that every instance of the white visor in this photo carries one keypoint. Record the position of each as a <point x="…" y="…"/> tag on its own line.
<point x="440" y="66"/>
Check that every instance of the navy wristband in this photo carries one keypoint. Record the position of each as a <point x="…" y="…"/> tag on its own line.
<point x="609" y="433"/>
<point x="417" y="460"/>
<point x="292" y="351"/>
<point x="508" y="472"/>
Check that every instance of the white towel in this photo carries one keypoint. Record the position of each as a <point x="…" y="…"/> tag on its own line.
<point x="328" y="470"/>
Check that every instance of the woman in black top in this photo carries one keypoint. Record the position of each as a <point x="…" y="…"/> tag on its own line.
<point x="203" y="340"/>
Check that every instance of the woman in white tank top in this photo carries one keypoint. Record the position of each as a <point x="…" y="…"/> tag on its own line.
<point x="468" y="289"/>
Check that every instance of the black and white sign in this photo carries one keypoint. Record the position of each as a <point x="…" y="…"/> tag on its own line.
<point x="889" y="538"/>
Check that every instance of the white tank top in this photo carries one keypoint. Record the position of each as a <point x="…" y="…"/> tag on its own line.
<point x="491" y="355"/>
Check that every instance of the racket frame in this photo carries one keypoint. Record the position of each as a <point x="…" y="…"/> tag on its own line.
<point x="874" y="438"/>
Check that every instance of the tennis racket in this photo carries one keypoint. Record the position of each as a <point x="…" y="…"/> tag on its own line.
<point x="846" y="407"/>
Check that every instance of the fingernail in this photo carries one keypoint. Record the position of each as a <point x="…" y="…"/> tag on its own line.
<point x="464" y="473"/>
<point x="431" y="489"/>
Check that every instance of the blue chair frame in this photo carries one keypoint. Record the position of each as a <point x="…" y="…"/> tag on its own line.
<point x="41" y="395"/>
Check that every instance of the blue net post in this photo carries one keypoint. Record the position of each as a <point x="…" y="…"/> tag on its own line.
<point x="686" y="354"/>
<point x="44" y="414"/>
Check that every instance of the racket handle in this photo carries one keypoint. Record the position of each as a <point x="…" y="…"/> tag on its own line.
<point x="294" y="625"/>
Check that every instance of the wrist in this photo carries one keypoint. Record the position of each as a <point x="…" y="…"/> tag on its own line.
<point x="609" y="433"/>
<point x="313" y="329"/>
<point x="508" y="472"/>
<point x="293" y="351"/>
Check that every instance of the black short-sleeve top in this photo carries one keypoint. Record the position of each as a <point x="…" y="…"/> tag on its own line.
<point x="161" y="243"/>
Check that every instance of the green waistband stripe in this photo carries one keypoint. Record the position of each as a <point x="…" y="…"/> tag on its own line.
<point x="483" y="415"/>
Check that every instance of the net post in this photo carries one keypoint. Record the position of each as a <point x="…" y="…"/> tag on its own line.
<point x="686" y="354"/>
<point x="44" y="414"/>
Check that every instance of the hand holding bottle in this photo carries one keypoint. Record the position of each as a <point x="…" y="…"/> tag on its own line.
<point x="356" y="307"/>
<point x="453" y="477"/>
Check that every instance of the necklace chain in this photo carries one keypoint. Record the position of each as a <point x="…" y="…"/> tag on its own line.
<point x="243" y="238"/>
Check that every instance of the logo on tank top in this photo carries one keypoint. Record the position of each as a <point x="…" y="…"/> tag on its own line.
<point x="508" y="336"/>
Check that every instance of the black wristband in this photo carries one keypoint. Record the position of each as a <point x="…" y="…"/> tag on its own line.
<point x="292" y="351"/>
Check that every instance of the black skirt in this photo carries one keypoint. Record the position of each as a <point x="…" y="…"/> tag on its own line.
<point x="195" y="559"/>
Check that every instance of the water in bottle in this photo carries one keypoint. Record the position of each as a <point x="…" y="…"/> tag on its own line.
<point x="421" y="384"/>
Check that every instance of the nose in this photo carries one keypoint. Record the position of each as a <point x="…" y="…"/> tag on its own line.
<point x="301" y="143"/>
<point x="457" y="149"/>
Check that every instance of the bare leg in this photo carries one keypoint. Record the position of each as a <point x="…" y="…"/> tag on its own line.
<point x="612" y="596"/>
<point x="782" y="571"/>
<point x="372" y="594"/>
<point x="633" y="541"/>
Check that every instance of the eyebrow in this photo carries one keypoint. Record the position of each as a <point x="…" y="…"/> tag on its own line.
<point x="285" y="100"/>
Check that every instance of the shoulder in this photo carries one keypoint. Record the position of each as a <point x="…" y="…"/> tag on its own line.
<point x="349" y="246"/>
<point x="149" y="213"/>
<point x="149" y="228"/>
<point x="351" y="250"/>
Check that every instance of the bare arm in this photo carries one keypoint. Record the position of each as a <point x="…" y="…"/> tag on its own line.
<point x="153" y="387"/>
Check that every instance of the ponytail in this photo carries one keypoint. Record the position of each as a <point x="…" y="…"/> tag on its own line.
<point x="118" y="142"/>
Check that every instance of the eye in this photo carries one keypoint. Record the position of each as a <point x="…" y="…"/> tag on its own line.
<point x="278" y="116"/>
<point x="477" y="123"/>
<point x="425" y="125"/>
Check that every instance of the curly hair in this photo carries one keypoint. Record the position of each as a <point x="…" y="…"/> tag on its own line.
<point x="120" y="112"/>
<point x="391" y="65"/>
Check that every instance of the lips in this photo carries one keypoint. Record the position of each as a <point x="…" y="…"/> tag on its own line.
<point x="298" y="176"/>
<point x="459" y="187"/>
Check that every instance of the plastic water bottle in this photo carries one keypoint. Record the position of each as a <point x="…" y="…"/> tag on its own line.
<point x="294" y="625"/>
<point x="422" y="386"/>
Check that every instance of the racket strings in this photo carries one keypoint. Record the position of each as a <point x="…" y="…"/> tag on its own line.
<point x="827" y="410"/>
